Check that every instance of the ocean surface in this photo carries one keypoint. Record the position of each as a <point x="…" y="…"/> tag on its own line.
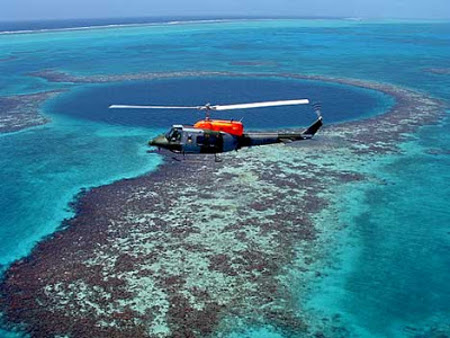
<point x="390" y="275"/>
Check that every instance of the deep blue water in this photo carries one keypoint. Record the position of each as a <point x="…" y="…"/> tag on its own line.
<point x="338" y="102"/>
<point x="391" y="269"/>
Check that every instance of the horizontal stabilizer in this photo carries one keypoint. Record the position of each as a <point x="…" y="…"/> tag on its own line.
<point x="286" y="140"/>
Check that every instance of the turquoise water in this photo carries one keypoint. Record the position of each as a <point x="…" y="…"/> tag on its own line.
<point x="88" y="145"/>
<point x="393" y="275"/>
<point x="41" y="170"/>
<point x="392" y="268"/>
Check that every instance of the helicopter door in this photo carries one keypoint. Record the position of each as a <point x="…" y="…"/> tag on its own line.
<point x="210" y="142"/>
<point x="189" y="142"/>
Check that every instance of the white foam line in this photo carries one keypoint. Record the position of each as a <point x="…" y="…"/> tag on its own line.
<point x="185" y="22"/>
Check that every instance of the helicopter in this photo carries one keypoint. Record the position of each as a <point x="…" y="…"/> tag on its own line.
<point x="212" y="136"/>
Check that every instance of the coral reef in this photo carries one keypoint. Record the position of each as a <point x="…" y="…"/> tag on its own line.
<point x="22" y="111"/>
<point x="201" y="248"/>
<point x="439" y="71"/>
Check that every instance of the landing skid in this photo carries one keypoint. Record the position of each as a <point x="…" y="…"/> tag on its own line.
<point x="217" y="159"/>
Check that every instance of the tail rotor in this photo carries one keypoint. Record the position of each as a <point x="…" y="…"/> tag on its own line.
<point x="317" y="106"/>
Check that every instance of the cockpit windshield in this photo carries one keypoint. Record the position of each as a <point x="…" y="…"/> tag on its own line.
<point x="174" y="135"/>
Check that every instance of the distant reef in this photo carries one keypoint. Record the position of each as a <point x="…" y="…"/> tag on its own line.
<point x="198" y="247"/>
<point x="439" y="71"/>
<point x="57" y="76"/>
<point x="22" y="111"/>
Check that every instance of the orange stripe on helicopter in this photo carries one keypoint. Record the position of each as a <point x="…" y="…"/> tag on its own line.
<point x="230" y="127"/>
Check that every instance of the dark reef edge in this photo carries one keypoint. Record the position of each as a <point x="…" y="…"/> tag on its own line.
<point x="199" y="257"/>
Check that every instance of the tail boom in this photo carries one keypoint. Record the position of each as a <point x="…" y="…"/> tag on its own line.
<point x="256" y="139"/>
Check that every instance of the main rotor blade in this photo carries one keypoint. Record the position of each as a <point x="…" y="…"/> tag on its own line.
<point x="121" y="106"/>
<point x="261" y="104"/>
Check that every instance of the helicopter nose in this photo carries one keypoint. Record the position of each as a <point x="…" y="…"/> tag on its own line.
<point x="159" y="141"/>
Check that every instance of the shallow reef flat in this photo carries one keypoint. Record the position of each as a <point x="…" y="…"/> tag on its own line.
<point x="22" y="111"/>
<point x="439" y="71"/>
<point x="201" y="248"/>
<point x="52" y="75"/>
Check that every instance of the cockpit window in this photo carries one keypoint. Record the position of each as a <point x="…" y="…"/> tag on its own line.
<point x="174" y="135"/>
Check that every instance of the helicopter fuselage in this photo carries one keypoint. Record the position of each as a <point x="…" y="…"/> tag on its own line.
<point x="193" y="140"/>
